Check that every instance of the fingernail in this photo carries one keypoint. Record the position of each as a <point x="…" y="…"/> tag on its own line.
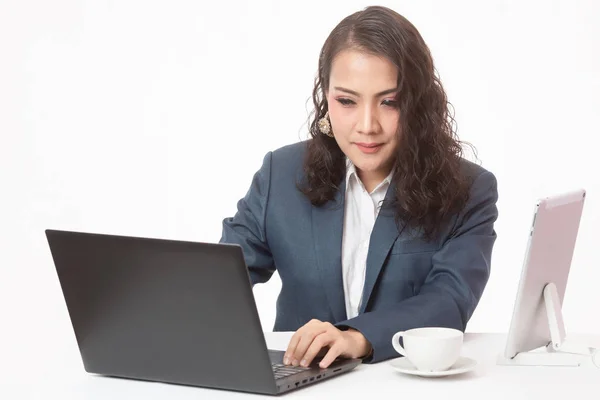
<point x="295" y="363"/>
<point x="286" y="360"/>
<point x="304" y="363"/>
<point x="322" y="365"/>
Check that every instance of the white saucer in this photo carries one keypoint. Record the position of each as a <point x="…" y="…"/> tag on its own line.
<point x="464" y="364"/>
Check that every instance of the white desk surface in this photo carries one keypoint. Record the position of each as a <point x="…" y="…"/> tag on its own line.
<point x="56" y="375"/>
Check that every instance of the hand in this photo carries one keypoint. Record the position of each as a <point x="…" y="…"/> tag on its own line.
<point x="315" y="336"/>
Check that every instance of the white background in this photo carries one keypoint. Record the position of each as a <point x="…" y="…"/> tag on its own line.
<point x="150" y="118"/>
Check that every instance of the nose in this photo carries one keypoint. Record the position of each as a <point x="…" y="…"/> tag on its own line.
<point x="368" y="121"/>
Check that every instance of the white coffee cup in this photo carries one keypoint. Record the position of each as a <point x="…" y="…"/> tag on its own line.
<point x="430" y="349"/>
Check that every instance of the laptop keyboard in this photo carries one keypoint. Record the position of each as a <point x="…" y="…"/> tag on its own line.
<point x="282" y="371"/>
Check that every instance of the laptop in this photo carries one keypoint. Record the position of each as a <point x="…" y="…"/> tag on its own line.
<point x="171" y="311"/>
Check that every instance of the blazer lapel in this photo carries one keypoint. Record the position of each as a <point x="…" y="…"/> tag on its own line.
<point x="327" y="229"/>
<point x="385" y="232"/>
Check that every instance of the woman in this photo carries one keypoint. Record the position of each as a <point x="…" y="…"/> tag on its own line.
<point x="376" y="224"/>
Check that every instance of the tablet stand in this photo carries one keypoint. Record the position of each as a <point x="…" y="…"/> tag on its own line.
<point x="559" y="352"/>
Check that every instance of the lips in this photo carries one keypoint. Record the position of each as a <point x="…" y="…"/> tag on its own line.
<point x="368" y="145"/>
<point x="369" y="148"/>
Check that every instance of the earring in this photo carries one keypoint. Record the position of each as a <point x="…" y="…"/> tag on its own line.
<point x="325" y="125"/>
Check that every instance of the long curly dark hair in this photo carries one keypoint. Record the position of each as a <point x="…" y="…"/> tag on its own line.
<point x="430" y="185"/>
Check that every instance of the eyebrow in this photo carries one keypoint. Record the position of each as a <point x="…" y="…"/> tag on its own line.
<point x="383" y="93"/>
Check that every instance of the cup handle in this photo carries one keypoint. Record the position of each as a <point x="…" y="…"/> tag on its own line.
<point x="396" y="343"/>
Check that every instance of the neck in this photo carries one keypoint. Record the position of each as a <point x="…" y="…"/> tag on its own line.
<point x="371" y="179"/>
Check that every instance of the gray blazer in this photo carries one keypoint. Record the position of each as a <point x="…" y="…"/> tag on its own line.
<point x="409" y="282"/>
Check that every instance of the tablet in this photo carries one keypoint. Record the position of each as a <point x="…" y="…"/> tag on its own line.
<point x="550" y="248"/>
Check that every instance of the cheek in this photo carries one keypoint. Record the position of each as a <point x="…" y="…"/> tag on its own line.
<point x="335" y="109"/>
<point x="341" y="120"/>
<point x="390" y="126"/>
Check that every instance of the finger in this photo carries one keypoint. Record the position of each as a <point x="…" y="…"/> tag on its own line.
<point x="291" y="349"/>
<point x="305" y="341"/>
<point x="321" y="341"/>
<point x="331" y="355"/>
<point x="322" y="353"/>
<point x="303" y="345"/>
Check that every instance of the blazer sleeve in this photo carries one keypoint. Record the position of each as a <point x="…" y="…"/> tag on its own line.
<point x="453" y="288"/>
<point x="247" y="227"/>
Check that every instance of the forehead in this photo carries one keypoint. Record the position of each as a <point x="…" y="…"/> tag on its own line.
<point x="362" y="72"/>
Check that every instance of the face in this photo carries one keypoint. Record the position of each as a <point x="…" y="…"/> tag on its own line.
<point x="363" y="111"/>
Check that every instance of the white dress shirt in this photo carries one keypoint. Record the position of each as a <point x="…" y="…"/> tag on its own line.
<point x="360" y="212"/>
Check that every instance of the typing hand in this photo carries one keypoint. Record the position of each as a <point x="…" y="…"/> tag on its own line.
<point x="315" y="336"/>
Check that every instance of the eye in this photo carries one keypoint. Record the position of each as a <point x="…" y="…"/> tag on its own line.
<point x="345" y="102"/>
<point x="390" y="103"/>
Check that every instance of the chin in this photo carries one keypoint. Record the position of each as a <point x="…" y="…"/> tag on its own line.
<point x="368" y="165"/>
